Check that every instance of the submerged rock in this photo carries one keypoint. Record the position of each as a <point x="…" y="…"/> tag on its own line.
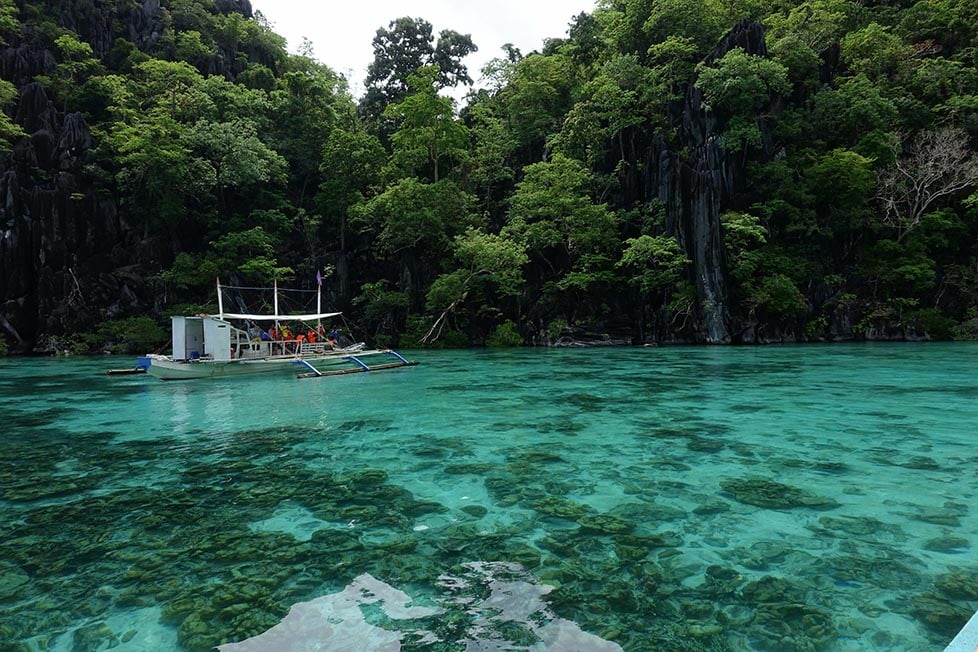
<point x="948" y="545"/>
<point x="12" y="579"/>
<point x="940" y="615"/>
<point x="606" y="523"/>
<point x="477" y="511"/>
<point x="961" y="585"/>
<point x="774" y="495"/>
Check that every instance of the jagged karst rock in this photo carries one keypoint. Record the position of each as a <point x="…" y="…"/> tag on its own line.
<point x="696" y="178"/>
<point x="21" y="63"/>
<point x="234" y="6"/>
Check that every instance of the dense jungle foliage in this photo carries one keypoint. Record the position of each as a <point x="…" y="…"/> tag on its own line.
<point x="541" y="202"/>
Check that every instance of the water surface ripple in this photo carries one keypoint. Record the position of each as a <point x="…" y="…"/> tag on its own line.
<point x="775" y="498"/>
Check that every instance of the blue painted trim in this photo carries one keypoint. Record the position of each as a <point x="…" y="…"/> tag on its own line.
<point x="359" y="362"/>
<point x="398" y="356"/>
<point x="306" y="364"/>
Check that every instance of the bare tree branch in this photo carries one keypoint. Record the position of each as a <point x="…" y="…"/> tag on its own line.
<point x="938" y="165"/>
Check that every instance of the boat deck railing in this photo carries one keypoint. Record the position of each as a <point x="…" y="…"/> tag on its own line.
<point x="280" y="348"/>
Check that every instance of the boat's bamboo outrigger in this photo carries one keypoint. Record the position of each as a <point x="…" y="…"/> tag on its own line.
<point x="360" y="367"/>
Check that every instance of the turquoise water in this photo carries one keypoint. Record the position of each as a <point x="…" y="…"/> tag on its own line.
<point x="777" y="498"/>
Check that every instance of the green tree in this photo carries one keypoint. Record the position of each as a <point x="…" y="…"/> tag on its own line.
<point x="77" y="63"/>
<point x="875" y="51"/>
<point x="739" y="87"/>
<point x="815" y="23"/>
<point x="250" y="252"/>
<point x="623" y="95"/>
<point x="9" y="24"/>
<point x="417" y="216"/>
<point x="842" y="184"/>
<point x="174" y="88"/>
<point x="404" y="48"/>
<point x="427" y="131"/>
<point x="307" y="105"/>
<point x="762" y="274"/>
<point x="537" y="99"/>
<point x="9" y="130"/>
<point x="491" y="153"/>
<point x="554" y="217"/>
<point x="487" y="262"/>
<point x="655" y="263"/>
<point x="852" y="114"/>
<point x="695" y="20"/>
<point x="350" y="168"/>
<point x="239" y="160"/>
<point x="158" y="170"/>
<point x="553" y="212"/>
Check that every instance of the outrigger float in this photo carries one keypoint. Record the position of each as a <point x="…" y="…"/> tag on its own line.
<point x="206" y="346"/>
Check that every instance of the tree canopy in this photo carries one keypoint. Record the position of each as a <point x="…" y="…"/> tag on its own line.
<point x="815" y="159"/>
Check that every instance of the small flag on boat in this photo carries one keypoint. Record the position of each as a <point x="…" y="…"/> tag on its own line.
<point x="319" y="278"/>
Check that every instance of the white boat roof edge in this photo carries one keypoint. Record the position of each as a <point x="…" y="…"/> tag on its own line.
<point x="309" y="317"/>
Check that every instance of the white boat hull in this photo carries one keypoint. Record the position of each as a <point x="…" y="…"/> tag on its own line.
<point x="166" y="368"/>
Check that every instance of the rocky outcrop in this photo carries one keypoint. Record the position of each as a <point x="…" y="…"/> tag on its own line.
<point x="234" y="7"/>
<point x="145" y="26"/>
<point x="574" y="337"/>
<point x="696" y="178"/>
<point x="708" y="177"/>
<point x="69" y="257"/>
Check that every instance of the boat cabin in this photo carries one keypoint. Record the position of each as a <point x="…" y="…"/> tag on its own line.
<point x="213" y="338"/>
<point x="205" y="337"/>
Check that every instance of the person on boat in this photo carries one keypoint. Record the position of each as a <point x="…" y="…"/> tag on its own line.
<point x="254" y="333"/>
<point x="311" y="337"/>
<point x="265" y="336"/>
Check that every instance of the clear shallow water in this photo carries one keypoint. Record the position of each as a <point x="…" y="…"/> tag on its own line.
<point x="778" y="498"/>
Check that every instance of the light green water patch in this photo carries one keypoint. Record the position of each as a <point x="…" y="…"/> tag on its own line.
<point x="667" y="499"/>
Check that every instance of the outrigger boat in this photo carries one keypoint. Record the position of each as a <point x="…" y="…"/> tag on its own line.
<point x="205" y="346"/>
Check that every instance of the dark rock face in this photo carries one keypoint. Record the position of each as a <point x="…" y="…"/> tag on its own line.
<point x="20" y="64"/>
<point x="69" y="255"/>
<point x="146" y="24"/>
<point x="697" y="187"/>
<point x="234" y="6"/>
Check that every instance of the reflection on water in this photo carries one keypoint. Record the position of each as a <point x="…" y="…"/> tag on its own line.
<point x="783" y="499"/>
<point x="495" y="606"/>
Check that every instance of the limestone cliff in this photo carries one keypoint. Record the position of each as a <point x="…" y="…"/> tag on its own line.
<point x="696" y="178"/>
<point x="70" y="257"/>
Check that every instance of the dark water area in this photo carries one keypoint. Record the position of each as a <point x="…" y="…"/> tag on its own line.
<point x="770" y="498"/>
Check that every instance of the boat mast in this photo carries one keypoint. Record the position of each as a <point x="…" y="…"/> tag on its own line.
<point x="220" y="300"/>
<point x="275" y="292"/>
<point x="319" y="301"/>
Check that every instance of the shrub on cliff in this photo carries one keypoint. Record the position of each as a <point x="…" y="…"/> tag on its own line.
<point x="130" y="335"/>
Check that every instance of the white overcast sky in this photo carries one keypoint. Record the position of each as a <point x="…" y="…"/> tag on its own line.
<point x="342" y="32"/>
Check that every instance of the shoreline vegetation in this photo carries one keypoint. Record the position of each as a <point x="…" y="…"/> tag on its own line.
<point x="664" y="172"/>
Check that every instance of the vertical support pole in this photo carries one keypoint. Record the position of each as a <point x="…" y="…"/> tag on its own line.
<point x="220" y="300"/>
<point x="276" y="300"/>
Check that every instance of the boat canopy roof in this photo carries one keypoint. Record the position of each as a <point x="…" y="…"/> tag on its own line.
<point x="309" y="317"/>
